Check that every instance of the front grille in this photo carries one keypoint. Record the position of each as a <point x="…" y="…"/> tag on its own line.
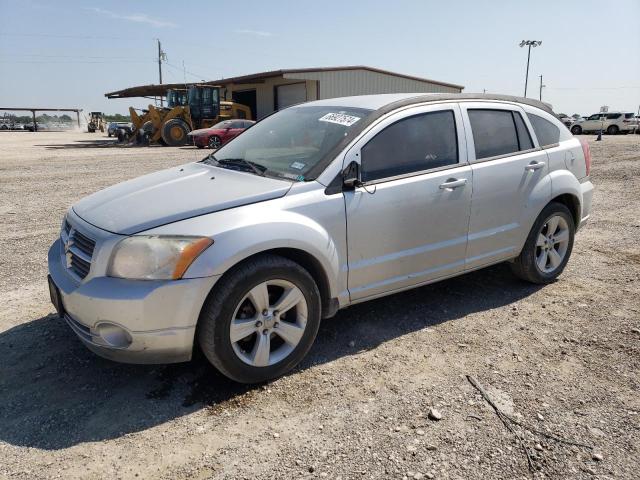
<point x="79" y="266"/>
<point x="84" y="243"/>
<point x="78" y="251"/>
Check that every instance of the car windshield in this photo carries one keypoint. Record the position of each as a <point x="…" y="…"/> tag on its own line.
<point x="224" y="124"/>
<point x="289" y="143"/>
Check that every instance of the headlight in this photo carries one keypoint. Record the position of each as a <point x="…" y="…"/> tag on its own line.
<point x="142" y="257"/>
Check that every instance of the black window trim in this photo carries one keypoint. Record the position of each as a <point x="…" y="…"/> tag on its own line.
<point x="417" y="172"/>
<point x="504" y="155"/>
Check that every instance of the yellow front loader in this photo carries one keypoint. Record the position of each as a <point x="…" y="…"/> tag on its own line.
<point x="187" y="110"/>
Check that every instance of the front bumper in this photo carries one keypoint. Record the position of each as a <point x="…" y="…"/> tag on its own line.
<point x="131" y="321"/>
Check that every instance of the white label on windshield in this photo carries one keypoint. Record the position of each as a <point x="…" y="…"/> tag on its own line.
<point x="340" y="119"/>
<point x="297" y="165"/>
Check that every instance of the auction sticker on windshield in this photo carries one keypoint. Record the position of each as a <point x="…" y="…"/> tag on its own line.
<point x="340" y="119"/>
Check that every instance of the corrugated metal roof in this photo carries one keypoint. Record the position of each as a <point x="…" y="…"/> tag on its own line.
<point x="154" y="90"/>
<point x="275" y="73"/>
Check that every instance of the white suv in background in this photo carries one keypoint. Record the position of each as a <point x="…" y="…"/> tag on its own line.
<point x="610" y="122"/>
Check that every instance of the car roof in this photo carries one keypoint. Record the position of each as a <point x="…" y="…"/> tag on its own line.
<point x="377" y="102"/>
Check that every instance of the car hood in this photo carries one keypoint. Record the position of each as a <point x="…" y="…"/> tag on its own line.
<point x="204" y="131"/>
<point x="174" y="194"/>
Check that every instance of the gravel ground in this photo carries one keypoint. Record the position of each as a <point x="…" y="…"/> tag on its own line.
<point x="561" y="359"/>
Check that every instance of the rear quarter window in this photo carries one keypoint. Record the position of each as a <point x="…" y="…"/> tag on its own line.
<point x="547" y="132"/>
<point x="613" y="116"/>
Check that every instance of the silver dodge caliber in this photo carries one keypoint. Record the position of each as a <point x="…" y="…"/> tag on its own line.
<point x="317" y="207"/>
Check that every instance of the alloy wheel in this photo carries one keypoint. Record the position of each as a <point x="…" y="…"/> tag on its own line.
<point x="214" y="143"/>
<point x="552" y="244"/>
<point x="268" y="323"/>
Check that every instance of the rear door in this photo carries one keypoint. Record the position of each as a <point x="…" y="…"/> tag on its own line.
<point x="510" y="181"/>
<point x="408" y="223"/>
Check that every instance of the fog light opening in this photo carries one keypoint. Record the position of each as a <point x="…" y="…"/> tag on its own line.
<point x="114" y="335"/>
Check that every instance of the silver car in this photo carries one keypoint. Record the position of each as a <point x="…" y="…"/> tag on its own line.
<point x="315" y="208"/>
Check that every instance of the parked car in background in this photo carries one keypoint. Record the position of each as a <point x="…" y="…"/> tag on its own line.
<point x="610" y="122"/>
<point x="317" y="207"/>
<point x="216" y="136"/>
<point x="112" y="128"/>
<point x="31" y="128"/>
<point x="566" y="120"/>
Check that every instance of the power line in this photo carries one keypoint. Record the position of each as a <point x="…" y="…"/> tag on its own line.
<point x="54" y="35"/>
<point x="199" y="77"/>
<point x="69" y="62"/>
<point x="37" y="55"/>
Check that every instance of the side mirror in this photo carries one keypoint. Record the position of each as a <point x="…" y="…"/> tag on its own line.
<point x="351" y="176"/>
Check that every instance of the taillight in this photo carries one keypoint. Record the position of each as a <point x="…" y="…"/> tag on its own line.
<point x="587" y="154"/>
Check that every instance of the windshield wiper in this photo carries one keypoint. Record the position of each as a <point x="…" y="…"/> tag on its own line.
<point x="239" y="162"/>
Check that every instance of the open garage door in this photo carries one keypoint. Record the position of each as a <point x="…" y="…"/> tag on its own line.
<point x="290" y="94"/>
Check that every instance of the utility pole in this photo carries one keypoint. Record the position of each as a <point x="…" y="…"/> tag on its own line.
<point x="161" y="56"/>
<point x="541" y="85"/>
<point x="529" y="43"/>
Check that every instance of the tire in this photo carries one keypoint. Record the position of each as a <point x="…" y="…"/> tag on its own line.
<point x="576" y="130"/>
<point x="174" y="132"/>
<point x="109" y="134"/>
<point x="613" y="129"/>
<point x="230" y="301"/>
<point x="527" y="265"/>
<point x="214" y="142"/>
<point x="200" y="146"/>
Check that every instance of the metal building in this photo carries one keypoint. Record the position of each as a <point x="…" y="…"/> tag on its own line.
<point x="268" y="91"/>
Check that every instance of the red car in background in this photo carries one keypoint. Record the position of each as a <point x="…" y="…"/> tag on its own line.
<point x="216" y="136"/>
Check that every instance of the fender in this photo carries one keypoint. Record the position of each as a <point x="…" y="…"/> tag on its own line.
<point x="245" y="231"/>
<point x="564" y="182"/>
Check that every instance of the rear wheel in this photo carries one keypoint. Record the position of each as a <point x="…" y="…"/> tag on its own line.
<point x="613" y="130"/>
<point x="174" y="132"/>
<point x="548" y="246"/>
<point x="576" y="130"/>
<point x="261" y="320"/>
<point x="215" y="142"/>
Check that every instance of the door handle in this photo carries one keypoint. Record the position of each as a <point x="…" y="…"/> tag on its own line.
<point x="453" y="183"/>
<point x="534" y="166"/>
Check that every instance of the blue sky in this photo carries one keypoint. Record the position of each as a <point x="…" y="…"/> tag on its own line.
<point x="68" y="53"/>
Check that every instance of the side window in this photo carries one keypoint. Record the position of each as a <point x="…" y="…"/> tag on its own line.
<point x="412" y="144"/>
<point x="494" y="132"/>
<point x="547" y="132"/>
<point x="613" y="116"/>
<point x="237" y="124"/>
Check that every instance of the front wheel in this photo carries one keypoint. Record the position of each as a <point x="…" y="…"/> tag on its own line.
<point x="548" y="246"/>
<point x="174" y="132"/>
<point x="215" y="142"/>
<point x="261" y="320"/>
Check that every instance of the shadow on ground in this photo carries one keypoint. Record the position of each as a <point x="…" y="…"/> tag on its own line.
<point x="107" y="143"/>
<point x="93" y="143"/>
<point x="55" y="394"/>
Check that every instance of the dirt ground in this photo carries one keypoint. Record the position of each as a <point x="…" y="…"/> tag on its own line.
<point x="562" y="360"/>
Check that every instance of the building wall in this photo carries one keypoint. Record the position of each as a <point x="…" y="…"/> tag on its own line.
<point x="332" y="84"/>
<point x="265" y="92"/>
<point x="342" y="83"/>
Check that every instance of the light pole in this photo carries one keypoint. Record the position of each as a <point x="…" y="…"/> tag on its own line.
<point x="529" y="43"/>
<point x="541" y="87"/>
